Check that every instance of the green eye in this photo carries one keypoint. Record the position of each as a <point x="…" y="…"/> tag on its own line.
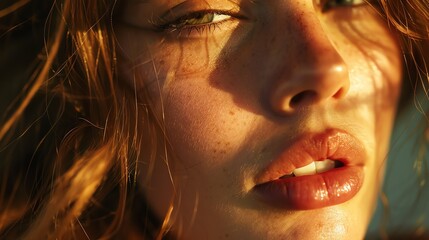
<point x="328" y="5"/>
<point x="199" y="18"/>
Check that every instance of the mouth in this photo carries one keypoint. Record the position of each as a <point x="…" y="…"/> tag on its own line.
<point x="316" y="171"/>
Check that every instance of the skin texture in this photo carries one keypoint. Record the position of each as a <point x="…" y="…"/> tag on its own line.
<point x="229" y="98"/>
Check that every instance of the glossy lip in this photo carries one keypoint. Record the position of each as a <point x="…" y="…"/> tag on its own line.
<point x="314" y="191"/>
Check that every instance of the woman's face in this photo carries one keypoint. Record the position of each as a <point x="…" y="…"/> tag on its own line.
<point x="251" y="92"/>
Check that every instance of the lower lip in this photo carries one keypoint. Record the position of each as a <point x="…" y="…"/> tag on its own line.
<point x="313" y="191"/>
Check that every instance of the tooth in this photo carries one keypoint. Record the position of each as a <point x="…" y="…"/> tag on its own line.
<point x="324" y="166"/>
<point x="309" y="169"/>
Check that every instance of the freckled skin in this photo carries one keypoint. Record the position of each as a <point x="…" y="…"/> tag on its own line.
<point x="227" y="98"/>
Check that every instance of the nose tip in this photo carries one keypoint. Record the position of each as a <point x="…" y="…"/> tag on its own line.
<point x="309" y="87"/>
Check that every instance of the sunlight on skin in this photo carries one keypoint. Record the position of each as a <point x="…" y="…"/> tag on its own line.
<point x="225" y="122"/>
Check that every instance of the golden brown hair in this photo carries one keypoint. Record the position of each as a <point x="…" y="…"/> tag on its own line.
<point x="78" y="125"/>
<point x="85" y="126"/>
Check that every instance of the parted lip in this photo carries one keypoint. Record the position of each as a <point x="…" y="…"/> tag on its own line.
<point x="331" y="144"/>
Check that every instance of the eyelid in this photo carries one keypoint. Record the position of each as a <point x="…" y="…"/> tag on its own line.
<point x="189" y="7"/>
<point x="165" y="22"/>
<point x="330" y="4"/>
<point x="223" y="16"/>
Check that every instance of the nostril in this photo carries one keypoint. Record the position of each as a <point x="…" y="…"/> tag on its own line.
<point x="303" y="98"/>
<point x="340" y="93"/>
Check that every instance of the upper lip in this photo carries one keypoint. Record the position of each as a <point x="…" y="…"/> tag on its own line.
<point x="331" y="144"/>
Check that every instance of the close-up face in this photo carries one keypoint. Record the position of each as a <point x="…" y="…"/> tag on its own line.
<point x="277" y="113"/>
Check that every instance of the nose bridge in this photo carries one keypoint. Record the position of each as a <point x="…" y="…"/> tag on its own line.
<point x="314" y="71"/>
<point x="313" y="42"/>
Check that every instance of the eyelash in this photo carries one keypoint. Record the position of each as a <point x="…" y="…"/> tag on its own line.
<point x="178" y="25"/>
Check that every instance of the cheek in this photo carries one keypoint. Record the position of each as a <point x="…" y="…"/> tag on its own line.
<point x="203" y="125"/>
<point x="371" y="52"/>
<point x="373" y="58"/>
<point x="160" y="57"/>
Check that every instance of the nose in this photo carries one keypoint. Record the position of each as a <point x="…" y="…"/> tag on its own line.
<point x="313" y="73"/>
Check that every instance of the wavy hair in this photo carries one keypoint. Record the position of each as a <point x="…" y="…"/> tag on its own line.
<point x="71" y="141"/>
